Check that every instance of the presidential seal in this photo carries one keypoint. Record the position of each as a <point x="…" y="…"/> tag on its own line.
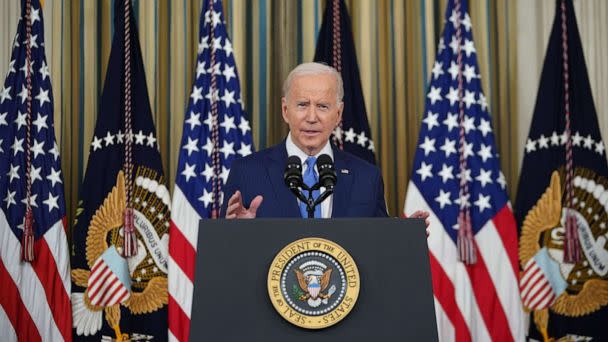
<point x="139" y="284"/>
<point x="313" y="283"/>
<point x="550" y="283"/>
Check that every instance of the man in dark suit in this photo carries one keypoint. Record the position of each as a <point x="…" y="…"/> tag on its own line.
<point x="312" y="107"/>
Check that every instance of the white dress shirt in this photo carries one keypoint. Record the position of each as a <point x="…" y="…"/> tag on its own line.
<point x="293" y="150"/>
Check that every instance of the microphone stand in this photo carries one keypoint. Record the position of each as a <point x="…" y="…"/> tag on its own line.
<point x="310" y="202"/>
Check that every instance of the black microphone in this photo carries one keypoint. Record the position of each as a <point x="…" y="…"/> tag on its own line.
<point x="327" y="172"/>
<point x="293" y="173"/>
<point x="293" y="177"/>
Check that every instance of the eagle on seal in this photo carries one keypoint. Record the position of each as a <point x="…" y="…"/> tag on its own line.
<point x="313" y="284"/>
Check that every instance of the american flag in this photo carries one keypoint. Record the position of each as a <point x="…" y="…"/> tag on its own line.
<point x="478" y="301"/>
<point x="215" y="133"/>
<point x="34" y="300"/>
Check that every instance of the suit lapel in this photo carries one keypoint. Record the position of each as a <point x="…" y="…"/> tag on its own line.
<point x="275" y="167"/>
<point x="343" y="186"/>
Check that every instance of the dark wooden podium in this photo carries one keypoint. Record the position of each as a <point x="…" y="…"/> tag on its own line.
<point x="231" y="301"/>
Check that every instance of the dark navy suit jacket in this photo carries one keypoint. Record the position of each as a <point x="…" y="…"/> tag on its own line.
<point x="359" y="191"/>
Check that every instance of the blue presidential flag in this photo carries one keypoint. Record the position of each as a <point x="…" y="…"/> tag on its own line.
<point x="216" y="131"/>
<point x="120" y="236"/>
<point x="562" y="198"/>
<point x="335" y="47"/>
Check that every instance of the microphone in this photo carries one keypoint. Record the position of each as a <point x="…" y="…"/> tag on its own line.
<point x="327" y="172"/>
<point x="293" y="177"/>
<point x="293" y="173"/>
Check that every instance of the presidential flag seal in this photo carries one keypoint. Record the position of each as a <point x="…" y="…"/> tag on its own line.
<point x="313" y="283"/>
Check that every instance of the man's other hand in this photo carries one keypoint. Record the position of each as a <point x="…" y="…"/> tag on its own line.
<point x="236" y="209"/>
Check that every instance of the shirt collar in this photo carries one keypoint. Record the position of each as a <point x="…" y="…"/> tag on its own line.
<point x="294" y="150"/>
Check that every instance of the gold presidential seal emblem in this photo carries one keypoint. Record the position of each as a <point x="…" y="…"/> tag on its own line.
<point x="572" y="289"/>
<point x="313" y="283"/>
<point x="145" y="280"/>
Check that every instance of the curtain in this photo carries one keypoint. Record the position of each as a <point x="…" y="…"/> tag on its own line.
<point x="396" y="42"/>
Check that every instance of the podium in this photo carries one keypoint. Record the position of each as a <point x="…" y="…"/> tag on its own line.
<point x="231" y="297"/>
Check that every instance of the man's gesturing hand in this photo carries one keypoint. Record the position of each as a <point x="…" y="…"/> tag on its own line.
<point x="237" y="210"/>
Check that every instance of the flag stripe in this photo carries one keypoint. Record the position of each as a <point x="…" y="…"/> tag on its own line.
<point x="181" y="289"/>
<point x="184" y="217"/>
<point x="114" y="286"/>
<point x="98" y="271"/>
<point x="96" y="285"/>
<point x="179" y="322"/>
<point x="27" y="282"/>
<point x="57" y="243"/>
<point x="121" y="295"/>
<point x="444" y="323"/>
<point x="444" y="249"/>
<point x="56" y="293"/>
<point x="546" y="302"/>
<point x="94" y="269"/>
<point x="6" y="326"/>
<point x="171" y="337"/>
<point x="10" y="301"/>
<point x="101" y="290"/>
<point x="534" y="275"/>
<point x="182" y="252"/>
<point x="536" y="283"/>
<point x="497" y="257"/>
<point x="488" y="301"/>
<point x="540" y="296"/>
<point x="535" y="291"/>
<point x="506" y="227"/>
<point x="531" y="270"/>
<point x="444" y="294"/>
<point x="182" y="259"/>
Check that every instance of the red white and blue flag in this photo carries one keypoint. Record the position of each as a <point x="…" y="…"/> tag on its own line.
<point x="34" y="296"/>
<point x="216" y="132"/>
<point x="110" y="281"/>
<point x="541" y="282"/>
<point x="475" y="275"/>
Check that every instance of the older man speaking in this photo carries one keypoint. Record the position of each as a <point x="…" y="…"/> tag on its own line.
<point x="312" y="107"/>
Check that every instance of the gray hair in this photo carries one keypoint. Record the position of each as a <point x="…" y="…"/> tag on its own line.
<point x="314" y="69"/>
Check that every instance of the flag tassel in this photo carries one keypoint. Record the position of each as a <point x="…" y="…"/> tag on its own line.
<point x="130" y="239"/>
<point x="465" y="241"/>
<point x="27" y="245"/>
<point x="572" y="247"/>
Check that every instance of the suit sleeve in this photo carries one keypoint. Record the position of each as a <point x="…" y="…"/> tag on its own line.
<point x="231" y="186"/>
<point x="380" y="200"/>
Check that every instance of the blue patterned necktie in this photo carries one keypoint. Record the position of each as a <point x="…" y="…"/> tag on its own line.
<point x="310" y="178"/>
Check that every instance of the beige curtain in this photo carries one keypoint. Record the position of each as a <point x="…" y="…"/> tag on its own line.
<point x="396" y="42"/>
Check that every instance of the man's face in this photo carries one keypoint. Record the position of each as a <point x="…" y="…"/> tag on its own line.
<point x="312" y="111"/>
